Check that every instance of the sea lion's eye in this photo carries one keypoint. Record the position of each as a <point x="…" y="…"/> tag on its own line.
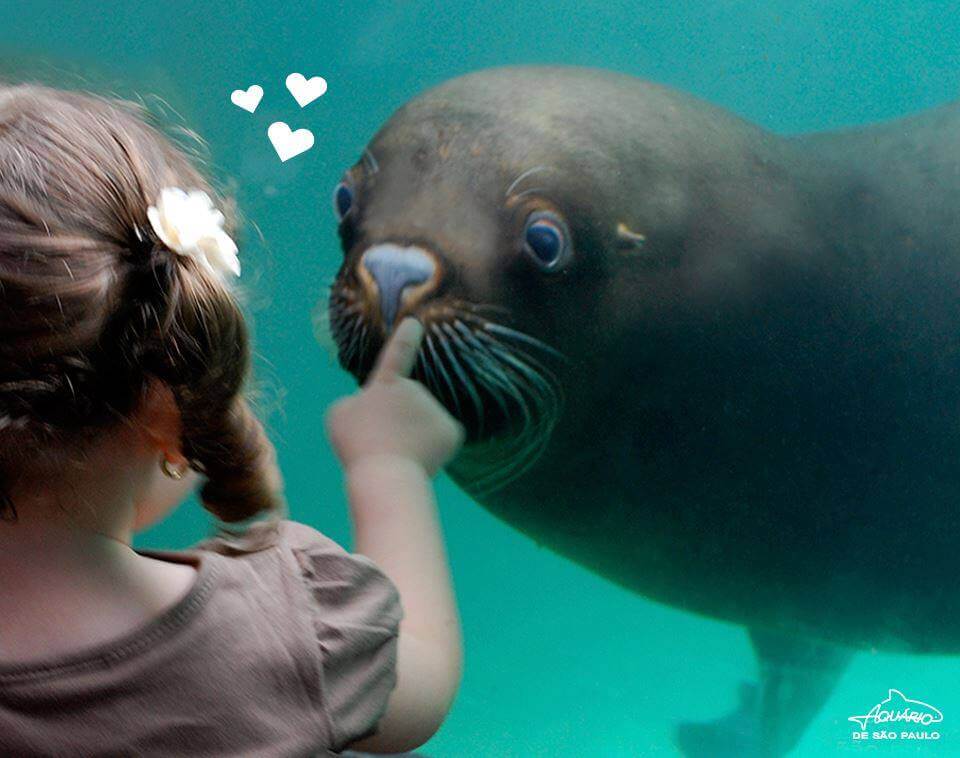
<point x="546" y="238"/>
<point x="342" y="200"/>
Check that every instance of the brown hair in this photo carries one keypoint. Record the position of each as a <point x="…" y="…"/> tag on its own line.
<point x="93" y="305"/>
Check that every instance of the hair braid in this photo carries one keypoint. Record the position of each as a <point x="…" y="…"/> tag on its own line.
<point x="93" y="306"/>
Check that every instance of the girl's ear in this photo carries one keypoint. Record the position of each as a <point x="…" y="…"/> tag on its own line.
<point x="158" y="419"/>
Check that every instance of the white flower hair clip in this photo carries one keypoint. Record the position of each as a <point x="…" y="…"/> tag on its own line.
<point x="188" y="224"/>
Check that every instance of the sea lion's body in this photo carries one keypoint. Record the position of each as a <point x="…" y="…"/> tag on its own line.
<point x="773" y="438"/>
<point x="762" y="416"/>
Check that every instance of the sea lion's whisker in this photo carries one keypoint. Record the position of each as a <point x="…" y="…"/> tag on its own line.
<point x="340" y="295"/>
<point x="357" y="324"/>
<point x="487" y="328"/>
<point x="537" y="386"/>
<point x="350" y="349"/>
<point x="541" y="373"/>
<point x="350" y="310"/>
<point x="334" y="319"/>
<point x="345" y="292"/>
<point x="524" y="175"/>
<point x="494" y="378"/>
<point x="542" y="376"/>
<point x="349" y="305"/>
<point x="462" y="376"/>
<point x="489" y="382"/>
<point x="491" y="364"/>
<point x="442" y="370"/>
<point x="538" y="404"/>
<point x="480" y="369"/>
<point x="530" y="191"/>
<point x="338" y="327"/>
<point x="506" y="375"/>
<point x="545" y="370"/>
<point x="340" y="304"/>
<point x="461" y="305"/>
<point x="374" y="166"/>
<point x="506" y="331"/>
<point x="364" y="343"/>
<point x="452" y="335"/>
<point x="474" y="320"/>
<point x="357" y="336"/>
<point x="354" y="347"/>
<point x="427" y="372"/>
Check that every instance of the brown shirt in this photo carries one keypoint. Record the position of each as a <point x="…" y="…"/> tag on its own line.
<point x="287" y="651"/>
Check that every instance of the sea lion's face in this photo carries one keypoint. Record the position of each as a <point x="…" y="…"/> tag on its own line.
<point x="447" y="219"/>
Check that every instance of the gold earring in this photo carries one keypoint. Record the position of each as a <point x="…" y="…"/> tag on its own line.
<point x="170" y="471"/>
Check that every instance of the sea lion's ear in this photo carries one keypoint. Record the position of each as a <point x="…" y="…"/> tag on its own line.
<point x="629" y="240"/>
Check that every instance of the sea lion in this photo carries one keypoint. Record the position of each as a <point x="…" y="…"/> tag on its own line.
<point x="713" y="364"/>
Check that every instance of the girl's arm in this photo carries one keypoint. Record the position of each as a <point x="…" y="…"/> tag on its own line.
<point x="392" y="438"/>
<point x="395" y="524"/>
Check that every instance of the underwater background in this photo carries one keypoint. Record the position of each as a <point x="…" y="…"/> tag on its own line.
<point x="559" y="662"/>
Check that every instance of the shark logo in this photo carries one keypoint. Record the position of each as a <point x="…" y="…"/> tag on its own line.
<point x="897" y="707"/>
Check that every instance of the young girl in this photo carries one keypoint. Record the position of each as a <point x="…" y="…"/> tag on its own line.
<point x="123" y="355"/>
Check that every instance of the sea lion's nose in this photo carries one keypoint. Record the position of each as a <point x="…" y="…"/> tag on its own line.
<point x="394" y="270"/>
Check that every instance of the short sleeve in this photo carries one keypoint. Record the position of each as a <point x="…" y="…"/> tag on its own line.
<point x="356" y="616"/>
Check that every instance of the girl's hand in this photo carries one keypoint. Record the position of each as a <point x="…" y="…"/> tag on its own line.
<point x="394" y="415"/>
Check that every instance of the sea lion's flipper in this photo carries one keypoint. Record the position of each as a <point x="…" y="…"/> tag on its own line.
<point x="731" y="736"/>
<point x="796" y="676"/>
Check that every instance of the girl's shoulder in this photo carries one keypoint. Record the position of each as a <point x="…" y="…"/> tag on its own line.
<point x="342" y="588"/>
<point x="354" y="613"/>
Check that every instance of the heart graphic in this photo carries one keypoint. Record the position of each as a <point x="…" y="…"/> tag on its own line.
<point x="305" y="91"/>
<point x="289" y="144"/>
<point x="249" y="99"/>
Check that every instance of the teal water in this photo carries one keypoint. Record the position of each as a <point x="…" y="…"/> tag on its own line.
<point x="559" y="662"/>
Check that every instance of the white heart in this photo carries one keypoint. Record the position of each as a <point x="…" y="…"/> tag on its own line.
<point x="249" y="99"/>
<point x="305" y="91"/>
<point x="289" y="144"/>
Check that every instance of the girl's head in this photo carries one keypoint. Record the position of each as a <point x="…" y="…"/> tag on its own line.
<point x="101" y="325"/>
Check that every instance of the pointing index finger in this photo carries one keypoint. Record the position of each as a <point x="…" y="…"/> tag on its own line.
<point x="400" y="353"/>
